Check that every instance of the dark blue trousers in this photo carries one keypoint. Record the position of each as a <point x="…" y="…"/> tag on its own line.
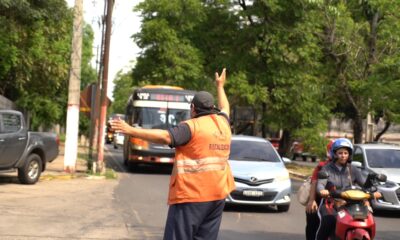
<point x="194" y="221"/>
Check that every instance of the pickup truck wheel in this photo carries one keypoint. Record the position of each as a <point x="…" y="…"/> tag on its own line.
<point x="30" y="172"/>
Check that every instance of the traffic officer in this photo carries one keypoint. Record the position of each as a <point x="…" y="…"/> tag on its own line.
<point x="201" y="177"/>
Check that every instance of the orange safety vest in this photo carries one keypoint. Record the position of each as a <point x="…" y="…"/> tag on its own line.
<point x="201" y="170"/>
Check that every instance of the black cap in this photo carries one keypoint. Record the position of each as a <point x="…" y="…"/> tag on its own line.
<point x="203" y="100"/>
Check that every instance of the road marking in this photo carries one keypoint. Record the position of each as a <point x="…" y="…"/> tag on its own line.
<point x="239" y="217"/>
<point x="137" y="216"/>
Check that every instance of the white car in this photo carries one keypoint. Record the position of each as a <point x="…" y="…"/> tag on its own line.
<point x="261" y="177"/>
<point x="118" y="139"/>
<point x="382" y="159"/>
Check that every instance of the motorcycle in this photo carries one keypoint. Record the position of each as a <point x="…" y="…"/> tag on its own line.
<point x="354" y="220"/>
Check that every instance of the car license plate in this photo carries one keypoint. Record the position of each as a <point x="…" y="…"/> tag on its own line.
<point x="253" y="193"/>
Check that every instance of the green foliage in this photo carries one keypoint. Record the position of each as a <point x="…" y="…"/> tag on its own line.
<point x="35" y="46"/>
<point x="361" y="42"/>
<point x="121" y="93"/>
<point x="313" y="141"/>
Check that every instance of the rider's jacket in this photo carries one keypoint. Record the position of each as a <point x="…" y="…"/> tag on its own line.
<point x="340" y="178"/>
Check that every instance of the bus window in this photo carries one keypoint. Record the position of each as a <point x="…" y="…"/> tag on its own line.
<point x="155" y="118"/>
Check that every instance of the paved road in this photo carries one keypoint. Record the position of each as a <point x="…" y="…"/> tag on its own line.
<point x="132" y="207"/>
<point x="143" y="193"/>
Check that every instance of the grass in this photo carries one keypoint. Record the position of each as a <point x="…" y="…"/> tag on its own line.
<point x="304" y="170"/>
<point x="84" y="156"/>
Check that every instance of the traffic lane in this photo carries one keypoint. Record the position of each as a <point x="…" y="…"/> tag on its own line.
<point x="261" y="222"/>
<point x="142" y="193"/>
<point x="239" y="222"/>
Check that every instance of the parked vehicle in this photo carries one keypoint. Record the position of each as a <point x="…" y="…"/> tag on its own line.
<point x="354" y="220"/>
<point x="383" y="159"/>
<point x="24" y="150"/>
<point x="261" y="177"/>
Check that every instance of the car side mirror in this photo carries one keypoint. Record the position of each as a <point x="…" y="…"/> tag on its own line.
<point x="323" y="175"/>
<point x="286" y="160"/>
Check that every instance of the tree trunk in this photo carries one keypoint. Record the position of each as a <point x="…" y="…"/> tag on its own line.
<point x="284" y="143"/>
<point x="263" y="127"/>
<point x="358" y="129"/>
<point x="379" y="135"/>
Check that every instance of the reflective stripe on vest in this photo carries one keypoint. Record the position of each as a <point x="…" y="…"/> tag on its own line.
<point x="201" y="165"/>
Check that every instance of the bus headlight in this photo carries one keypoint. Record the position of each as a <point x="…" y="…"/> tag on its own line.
<point x="139" y="144"/>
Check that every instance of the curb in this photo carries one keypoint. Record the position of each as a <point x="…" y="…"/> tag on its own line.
<point x="49" y="177"/>
<point x="297" y="175"/>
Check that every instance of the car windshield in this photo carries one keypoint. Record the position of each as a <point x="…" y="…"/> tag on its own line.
<point x="252" y="151"/>
<point x="383" y="158"/>
<point x="159" y="118"/>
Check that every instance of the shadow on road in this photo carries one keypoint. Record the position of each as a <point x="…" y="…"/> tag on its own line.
<point x="387" y="214"/>
<point x="150" y="169"/>
<point x="247" y="208"/>
<point x="256" y="235"/>
<point x="8" y="178"/>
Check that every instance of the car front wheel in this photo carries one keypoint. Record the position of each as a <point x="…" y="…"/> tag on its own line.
<point x="30" y="172"/>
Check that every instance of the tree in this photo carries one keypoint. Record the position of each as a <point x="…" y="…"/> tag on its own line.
<point x="35" y="41"/>
<point x="266" y="45"/>
<point x="121" y="92"/>
<point x="38" y="62"/>
<point x="361" y="41"/>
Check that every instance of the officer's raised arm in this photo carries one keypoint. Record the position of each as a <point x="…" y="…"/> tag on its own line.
<point x="223" y="103"/>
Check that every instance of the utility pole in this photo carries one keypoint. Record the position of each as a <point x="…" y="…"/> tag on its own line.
<point x="94" y="126"/>
<point x="103" y="99"/>
<point x="71" y="140"/>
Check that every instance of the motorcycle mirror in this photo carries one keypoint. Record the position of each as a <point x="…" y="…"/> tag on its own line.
<point x="323" y="175"/>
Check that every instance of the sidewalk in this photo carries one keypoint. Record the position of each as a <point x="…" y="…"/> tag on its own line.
<point x="61" y="206"/>
<point x="55" y="169"/>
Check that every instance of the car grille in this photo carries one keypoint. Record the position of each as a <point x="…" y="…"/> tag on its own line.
<point x="238" y="195"/>
<point x="254" y="183"/>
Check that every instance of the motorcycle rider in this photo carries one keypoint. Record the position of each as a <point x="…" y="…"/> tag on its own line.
<point x="312" y="219"/>
<point x="341" y="176"/>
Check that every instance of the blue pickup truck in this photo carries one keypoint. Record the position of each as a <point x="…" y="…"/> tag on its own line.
<point x="26" y="151"/>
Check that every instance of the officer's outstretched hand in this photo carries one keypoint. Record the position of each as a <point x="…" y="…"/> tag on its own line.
<point x="220" y="79"/>
<point x="120" y="125"/>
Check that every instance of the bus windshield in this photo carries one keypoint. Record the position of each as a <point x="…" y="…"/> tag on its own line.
<point x="159" y="118"/>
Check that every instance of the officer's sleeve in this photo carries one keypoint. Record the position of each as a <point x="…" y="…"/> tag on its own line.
<point x="180" y="135"/>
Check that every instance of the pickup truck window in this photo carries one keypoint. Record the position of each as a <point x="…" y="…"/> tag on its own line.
<point x="11" y="123"/>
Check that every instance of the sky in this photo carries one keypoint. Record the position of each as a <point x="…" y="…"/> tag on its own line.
<point x="123" y="51"/>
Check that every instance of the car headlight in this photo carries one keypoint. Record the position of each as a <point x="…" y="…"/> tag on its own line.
<point x="282" y="177"/>
<point x="389" y="184"/>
